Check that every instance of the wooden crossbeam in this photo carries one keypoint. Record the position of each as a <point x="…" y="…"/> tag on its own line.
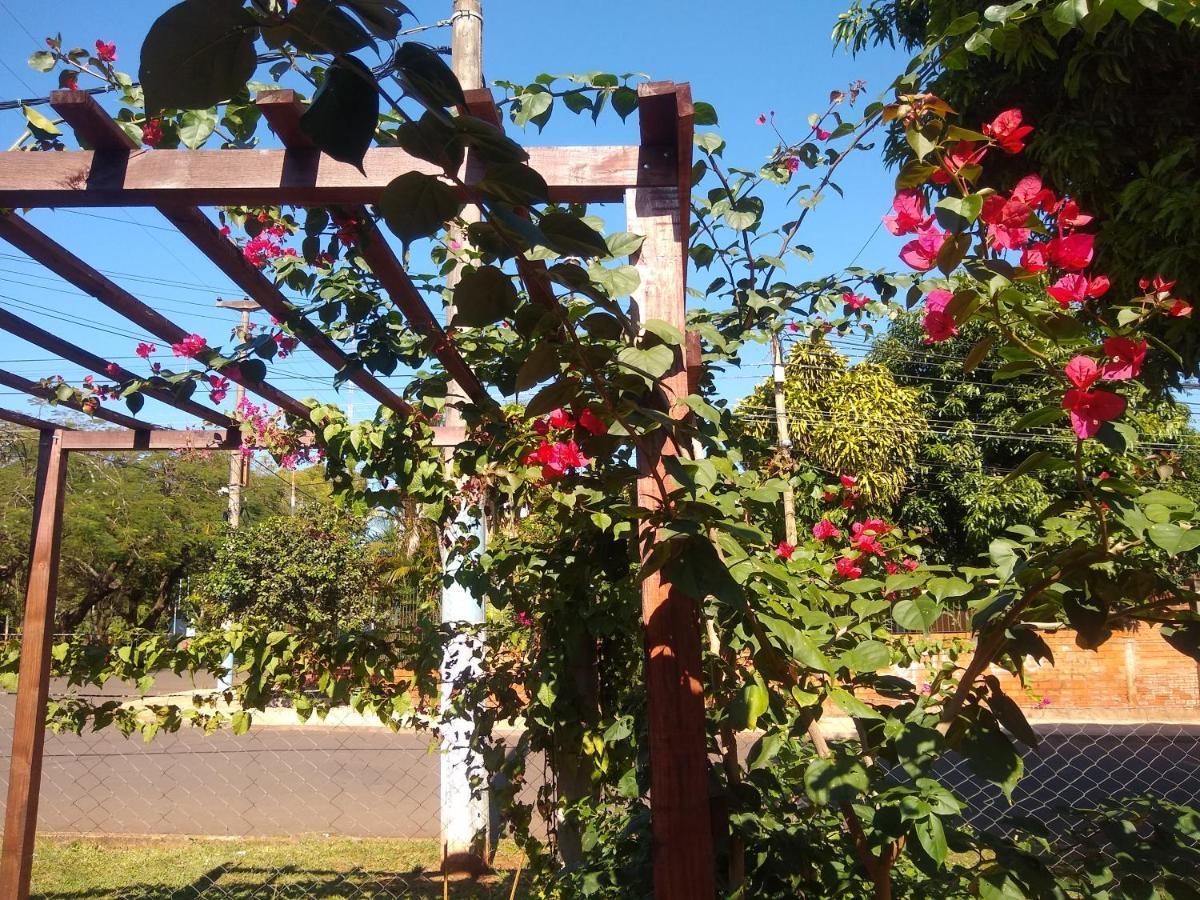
<point x="25" y="386"/>
<point x="87" y="178"/>
<point x="72" y="353"/>
<point x="18" y="418"/>
<point x="160" y="439"/>
<point x="36" y="245"/>
<point x="282" y="110"/>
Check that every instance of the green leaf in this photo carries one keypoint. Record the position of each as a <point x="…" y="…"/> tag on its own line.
<point x="568" y="235"/>
<point x="1173" y="538"/>
<point x="431" y="139"/>
<point x="623" y="243"/>
<point x="705" y="114"/>
<point x="917" y="614"/>
<point x="38" y="122"/>
<point x="624" y="101"/>
<point x="836" y="780"/>
<point x="196" y="126"/>
<point x="1039" y="417"/>
<point x="197" y="54"/>
<point x="978" y="353"/>
<point x="345" y="112"/>
<point x="426" y="76"/>
<point x="484" y="295"/>
<point x="135" y="402"/>
<point x="664" y="331"/>
<point x="318" y="26"/>
<point x="252" y="369"/>
<point x="1039" y="459"/>
<point x="41" y="61"/>
<point x="514" y="183"/>
<point x="416" y="205"/>
<point x="932" y="838"/>
<point x="539" y="365"/>
<point x="957" y="214"/>
<point x="914" y="174"/>
<point x="652" y="362"/>
<point x="869" y="656"/>
<point x="752" y="703"/>
<point x="240" y="722"/>
<point x="382" y="17"/>
<point x="765" y="749"/>
<point x="852" y="706"/>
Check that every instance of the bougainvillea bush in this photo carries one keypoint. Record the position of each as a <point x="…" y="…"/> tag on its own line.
<point x="795" y="630"/>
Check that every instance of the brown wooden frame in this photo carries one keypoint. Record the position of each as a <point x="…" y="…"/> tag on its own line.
<point x="653" y="179"/>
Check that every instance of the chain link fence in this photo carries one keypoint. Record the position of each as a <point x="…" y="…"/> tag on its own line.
<point x="347" y="809"/>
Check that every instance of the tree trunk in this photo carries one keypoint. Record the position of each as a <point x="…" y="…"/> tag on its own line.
<point x="102" y="588"/>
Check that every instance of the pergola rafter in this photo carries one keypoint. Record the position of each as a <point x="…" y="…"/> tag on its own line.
<point x="653" y="179"/>
<point x="25" y="386"/>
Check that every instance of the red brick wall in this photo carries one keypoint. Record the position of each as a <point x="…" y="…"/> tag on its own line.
<point x="1135" y="674"/>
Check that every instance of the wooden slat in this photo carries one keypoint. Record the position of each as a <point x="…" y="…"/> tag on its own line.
<point x="33" y="685"/>
<point x="85" y="178"/>
<point x="679" y="808"/>
<point x="666" y="119"/>
<point x="17" y="383"/>
<point x="162" y="439"/>
<point x="25" y="421"/>
<point x="75" y="271"/>
<point x="68" y="351"/>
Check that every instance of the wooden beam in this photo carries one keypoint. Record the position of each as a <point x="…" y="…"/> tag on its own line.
<point x="86" y="178"/>
<point x="26" y="421"/>
<point x="667" y="121"/>
<point x="679" y="807"/>
<point x="162" y="439"/>
<point x="33" y="684"/>
<point x="75" y="271"/>
<point x="17" y="383"/>
<point x="72" y="353"/>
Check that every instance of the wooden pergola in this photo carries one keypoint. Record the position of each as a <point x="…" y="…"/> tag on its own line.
<point x="653" y="179"/>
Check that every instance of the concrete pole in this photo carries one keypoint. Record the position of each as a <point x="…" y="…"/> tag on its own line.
<point x="464" y="797"/>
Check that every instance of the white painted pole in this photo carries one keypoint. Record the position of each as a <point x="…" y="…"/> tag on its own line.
<point x="464" y="796"/>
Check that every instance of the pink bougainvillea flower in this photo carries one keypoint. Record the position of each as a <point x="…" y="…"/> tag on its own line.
<point x="144" y="350"/>
<point x="541" y="426"/>
<point x="1082" y="371"/>
<point x="1033" y="258"/>
<point x="792" y="164"/>
<point x="524" y="619"/>
<point x="190" y="346"/>
<point x="152" y="134"/>
<point x="939" y="326"/>
<point x="855" y="301"/>
<point x="1180" y="309"/>
<point x="219" y="388"/>
<point x="112" y="370"/>
<point x="592" y="423"/>
<point x="908" y="213"/>
<point x="1001" y="210"/>
<point x="937" y="301"/>
<point x="1125" y="357"/>
<point x="921" y="254"/>
<point x="106" y="51"/>
<point x="560" y="418"/>
<point x="822" y="134"/>
<point x="1008" y="132"/>
<point x="1157" y="285"/>
<point x="761" y="120"/>
<point x="1070" y="217"/>
<point x="848" y="481"/>
<point x="959" y="155"/>
<point x="1076" y="288"/>
<point x="892" y="568"/>
<point x="1072" y="252"/>
<point x="1091" y="409"/>
<point x="1029" y="190"/>
<point x="848" y="568"/>
<point x="784" y="550"/>
<point x="824" y="530"/>
<point x="1006" y="238"/>
<point x="910" y="564"/>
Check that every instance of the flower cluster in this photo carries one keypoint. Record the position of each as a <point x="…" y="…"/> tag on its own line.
<point x="1090" y="408"/>
<point x="190" y="347"/>
<point x="562" y="455"/>
<point x="262" y="430"/>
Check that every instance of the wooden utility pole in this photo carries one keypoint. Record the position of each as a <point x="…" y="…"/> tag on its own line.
<point x="464" y="798"/>
<point x="239" y="465"/>
<point x="783" y="440"/>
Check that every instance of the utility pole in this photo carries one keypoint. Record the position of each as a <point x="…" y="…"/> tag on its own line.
<point x="783" y="439"/>
<point x="464" y="796"/>
<point x="239" y="466"/>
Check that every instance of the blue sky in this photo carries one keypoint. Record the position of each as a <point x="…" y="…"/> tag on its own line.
<point x="765" y="55"/>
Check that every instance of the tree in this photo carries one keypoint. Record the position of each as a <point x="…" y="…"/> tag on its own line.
<point x="311" y="572"/>
<point x="1117" y="102"/>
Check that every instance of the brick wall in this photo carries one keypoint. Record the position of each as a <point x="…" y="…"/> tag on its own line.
<point x="1134" y="675"/>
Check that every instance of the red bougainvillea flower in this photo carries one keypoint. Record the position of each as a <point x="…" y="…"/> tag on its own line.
<point x="152" y="133"/>
<point x="921" y="254"/>
<point x="1082" y="371"/>
<point x="938" y="300"/>
<point x="1125" y="357"/>
<point x="784" y="550"/>
<point x="1008" y="132"/>
<point x="822" y="134"/>
<point x="761" y="120"/>
<point x="1070" y="217"/>
<point x="219" y="388"/>
<point x="190" y="346"/>
<point x="112" y="370"/>
<point x="939" y="325"/>
<point x="792" y="164"/>
<point x="908" y="213"/>
<point x="560" y="418"/>
<point x="848" y="568"/>
<point x="855" y="301"/>
<point x="1076" y="288"/>
<point x="828" y="496"/>
<point x="106" y="52"/>
<point x="848" y="481"/>
<point x="524" y="619"/>
<point x="541" y="426"/>
<point x="958" y="157"/>
<point x="1029" y="190"/>
<point x="1072" y="252"/>
<point x="1180" y="309"/>
<point x="864" y="536"/>
<point x="824" y="530"/>
<point x="1033" y="258"/>
<point x="910" y="564"/>
<point x="592" y="423"/>
<point x="1157" y="285"/>
<point x="144" y="350"/>
<point x="556" y="459"/>
<point x="1091" y="409"/>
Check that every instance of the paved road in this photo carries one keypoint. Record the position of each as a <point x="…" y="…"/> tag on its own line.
<point x="369" y="782"/>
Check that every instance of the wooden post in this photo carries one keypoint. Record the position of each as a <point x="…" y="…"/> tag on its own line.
<point x="33" y="687"/>
<point x="683" y="856"/>
<point x="783" y="439"/>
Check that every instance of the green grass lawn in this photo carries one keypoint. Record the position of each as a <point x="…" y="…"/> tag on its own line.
<point x="281" y="869"/>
